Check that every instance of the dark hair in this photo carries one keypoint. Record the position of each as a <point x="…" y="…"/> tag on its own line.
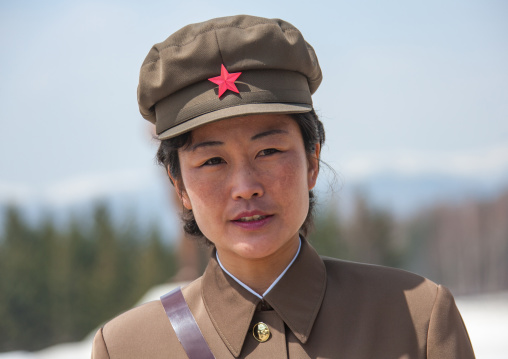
<point x="312" y="133"/>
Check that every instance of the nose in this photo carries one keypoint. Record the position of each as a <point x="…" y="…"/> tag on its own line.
<point x="245" y="183"/>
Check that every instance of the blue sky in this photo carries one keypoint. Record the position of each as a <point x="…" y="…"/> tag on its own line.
<point x="409" y="87"/>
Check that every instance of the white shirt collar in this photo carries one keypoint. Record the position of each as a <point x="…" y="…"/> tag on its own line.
<point x="274" y="282"/>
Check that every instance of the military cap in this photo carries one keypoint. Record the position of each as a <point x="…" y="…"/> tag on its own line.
<point x="226" y="67"/>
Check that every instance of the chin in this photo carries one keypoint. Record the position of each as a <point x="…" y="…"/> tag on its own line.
<point x="253" y="250"/>
<point x="257" y="248"/>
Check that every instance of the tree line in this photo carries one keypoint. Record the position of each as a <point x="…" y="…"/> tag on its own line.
<point x="463" y="245"/>
<point x="57" y="285"/>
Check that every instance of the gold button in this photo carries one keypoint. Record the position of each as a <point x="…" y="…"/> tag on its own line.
<point x="261" y="332"/>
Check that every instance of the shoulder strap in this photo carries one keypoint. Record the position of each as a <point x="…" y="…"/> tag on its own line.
<point x="185" y="326"/>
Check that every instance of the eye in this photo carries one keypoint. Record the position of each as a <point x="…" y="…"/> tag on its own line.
<point x="213" y="161"/>
<point x="268" y="152"/>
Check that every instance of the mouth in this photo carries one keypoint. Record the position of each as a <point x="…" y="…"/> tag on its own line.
<point x="253" y="221"/>
<point x="255" y="217"/>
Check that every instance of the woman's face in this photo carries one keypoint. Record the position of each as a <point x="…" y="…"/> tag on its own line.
<point x="247" y="181"/>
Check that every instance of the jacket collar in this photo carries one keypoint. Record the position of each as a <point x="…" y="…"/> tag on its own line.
<point x="296" y="298"/>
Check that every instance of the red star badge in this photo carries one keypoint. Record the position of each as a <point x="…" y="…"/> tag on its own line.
<point x="226" y="81"/>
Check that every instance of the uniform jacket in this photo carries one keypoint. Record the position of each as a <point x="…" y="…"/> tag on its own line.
<point x="321" y="308"/>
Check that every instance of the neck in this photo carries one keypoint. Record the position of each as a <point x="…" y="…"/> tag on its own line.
<point x="259" y="273"/>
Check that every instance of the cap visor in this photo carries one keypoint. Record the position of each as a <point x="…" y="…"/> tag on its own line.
<point x="234" y="111"/>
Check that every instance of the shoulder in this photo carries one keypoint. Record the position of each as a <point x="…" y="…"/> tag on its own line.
<point x="376" y="277"/>
<point x="403" y="304"/>
<point x="138" y="319"/>
<point x="132" y="333"/>
<point x="141" y="332"/>
<point x="146" y="326"/>
<point x="381" y="289"/>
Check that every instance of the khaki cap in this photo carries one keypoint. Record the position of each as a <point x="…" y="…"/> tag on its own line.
<point x="279" y="72"/>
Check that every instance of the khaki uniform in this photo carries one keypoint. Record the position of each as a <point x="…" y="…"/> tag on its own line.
<point x="321" y="308"/>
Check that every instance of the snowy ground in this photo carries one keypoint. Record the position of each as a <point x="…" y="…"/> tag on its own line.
<point x="486" y="318"/>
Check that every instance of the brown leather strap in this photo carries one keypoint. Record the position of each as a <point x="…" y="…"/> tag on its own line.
<point x="185" y="326"/>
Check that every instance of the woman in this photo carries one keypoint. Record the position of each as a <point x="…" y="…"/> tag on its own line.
<point x="231" y="102"/>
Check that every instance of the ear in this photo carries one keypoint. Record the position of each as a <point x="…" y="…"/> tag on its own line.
<point x="313" y="169"/>
<point x="180" y="191"/>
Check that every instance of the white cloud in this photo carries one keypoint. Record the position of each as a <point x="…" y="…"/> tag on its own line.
<point x="97" y="185"/>
<point x="78" y="189"/>
<point x="481" y="163"/>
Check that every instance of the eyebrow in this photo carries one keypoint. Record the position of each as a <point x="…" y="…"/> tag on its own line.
<point x="205" y="144"/>
<point x="219" y="143"/>
<point x="268" y="133"/>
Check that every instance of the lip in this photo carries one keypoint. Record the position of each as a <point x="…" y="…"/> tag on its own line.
<point x="249" y="214"/>
<point x="252" y="225"/>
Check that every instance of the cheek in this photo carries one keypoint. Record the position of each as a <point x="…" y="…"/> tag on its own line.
<point x="290" y="181"/>
<point x="205" y="198"/>
<point x="199" y="192"/>
<point x="296" y="173"/>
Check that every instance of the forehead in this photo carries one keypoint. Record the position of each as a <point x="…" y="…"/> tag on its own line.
<point x="244" y="127"/>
